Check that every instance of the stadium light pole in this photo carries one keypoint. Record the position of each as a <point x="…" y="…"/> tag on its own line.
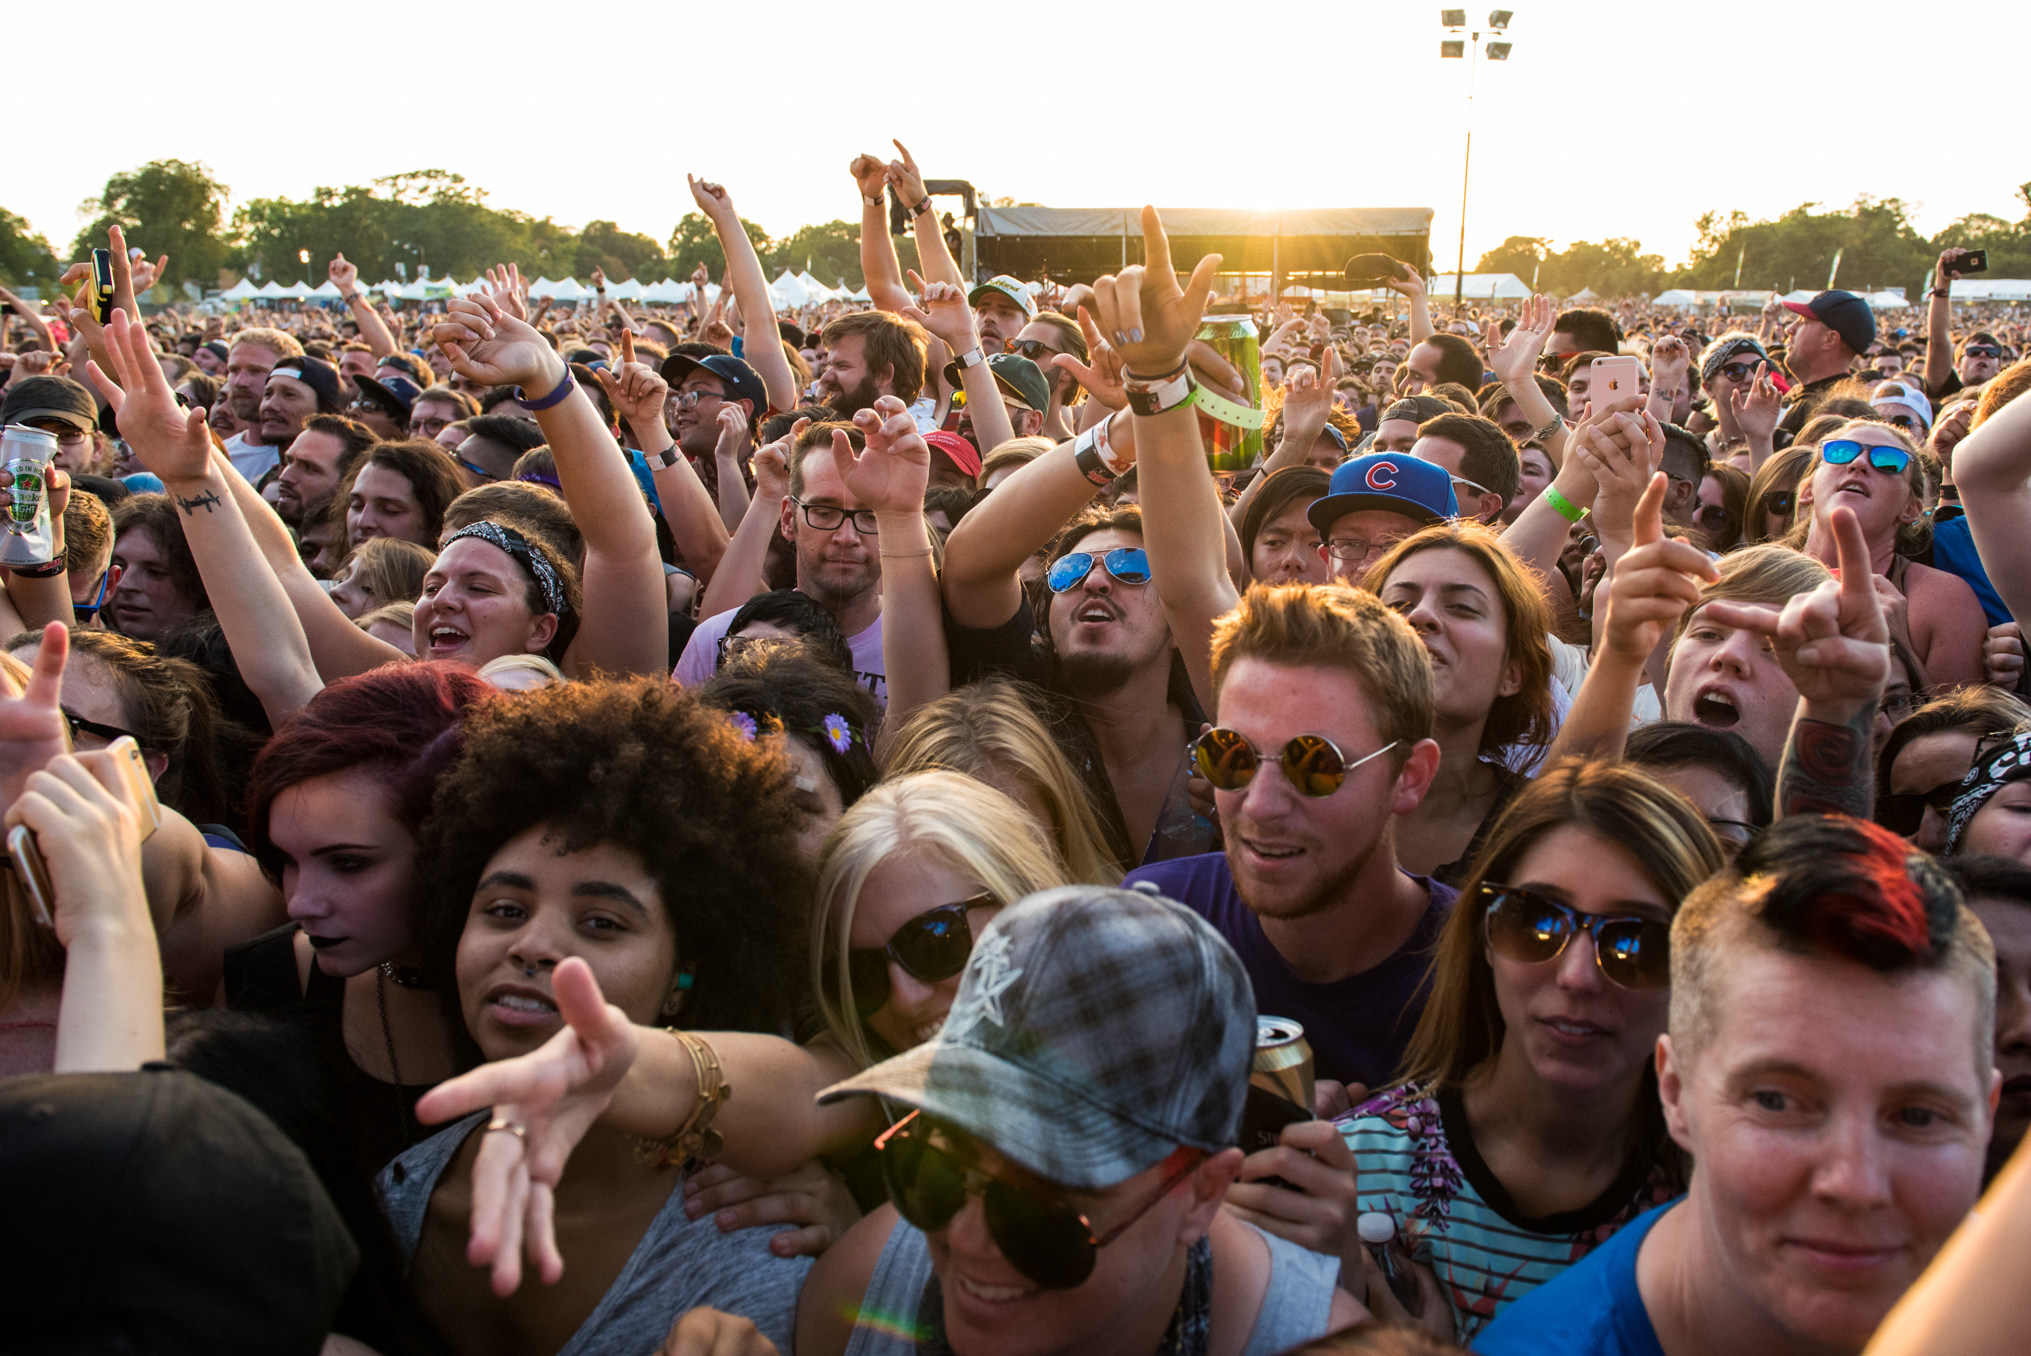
<point x="1453" y="21"/>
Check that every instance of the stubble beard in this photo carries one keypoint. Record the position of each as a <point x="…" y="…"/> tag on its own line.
<point x="1328" y="892"/>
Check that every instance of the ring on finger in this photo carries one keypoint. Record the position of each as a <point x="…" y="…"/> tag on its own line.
<point x="520" y="1132"/>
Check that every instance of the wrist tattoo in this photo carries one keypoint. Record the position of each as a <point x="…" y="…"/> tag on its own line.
<point x="1826" y="768"/>
<point x="205" y="501"/>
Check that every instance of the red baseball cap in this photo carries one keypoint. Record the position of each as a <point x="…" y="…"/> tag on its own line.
<point x="957" y="450"/>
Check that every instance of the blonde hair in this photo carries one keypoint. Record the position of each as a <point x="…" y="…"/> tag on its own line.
<point x="28" y="950"/>
<point x="1756" y="574"/>
<point x="392" y="569"/>
<point x="1013" y="453"/>
<point x="401" y="615"/>
<point x="943" y="818"/>
<point x="990" y="729"/>
<point x="523" y="663"/>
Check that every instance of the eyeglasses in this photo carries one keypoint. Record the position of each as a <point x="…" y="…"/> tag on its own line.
<point x="933" y="946"/>
<point x="1313" y="763"/>
<point x="1733" y="833"/>
<point x="1890" y="460"/>
<point x="1981" y="351"/>
<point x="1713" y="519"/>
<point x="930" y="1169"/>
<point x="1902" y="812"/>
<point x="482" y="472"/>
<point x="1738" y="371"/>
<point x="1898" y="705"/>
<point x="1475" y="487"/>
<point x="81" y="727"/>
<point x="429" y="428"/>
<point x="1355" y="549"/>
<point x="729" y="647"/>
<point x="1779" y="503"/>
<point x="1036" y="350"/>
<point x="1126" y="564"/>
<point x="1531" y="929"/>
<point x="688" y="400"/>
<point x="828" y="517"/>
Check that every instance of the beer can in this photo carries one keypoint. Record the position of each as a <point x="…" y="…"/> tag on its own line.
<point x="1231" y="431"/>
<point x="25" y="454"/>
<point x="1283" y="1061"/>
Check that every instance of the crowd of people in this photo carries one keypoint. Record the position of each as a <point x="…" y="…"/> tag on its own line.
<point x="707" y="831"/>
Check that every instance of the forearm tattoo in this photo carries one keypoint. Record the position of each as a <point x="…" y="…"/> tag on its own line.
<point x="205" y="501"/>
<point x="1826" y="768"/>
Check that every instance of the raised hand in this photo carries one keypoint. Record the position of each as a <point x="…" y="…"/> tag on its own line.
<point x="1669" y="359"/>
<point x="771" y="464"/>
<point x="504" y="285"/>
<point x="1308" y="400"/>
<point x="1623" y="451"/>
<point x="88" y="827"/>
<point x="945" y="313"/>
<point x="171" y="441"/>
<point x="870" y="174"/>
<point x="488" y="345"/>
<point x="889" y="476"/>
<point x="551" y="1096"/>
<point x="713" y="200"/>
<point x="1100" y="374"/>
<point x="1143" y="310"/>
<point x="733" y="430"/>
<point x="32" y="724"/>
<point x="344" y="276"/>
<point x="637" y="390"/>
<point x="1407" y="283"/>
<point x="1516" y="361"/>
<point x="143" y="275"/>
<point x="1834" y="641"/>
<point x="1756" y="406"/>
<point x="907" y="178"/>
<point x="1654" y="583"/>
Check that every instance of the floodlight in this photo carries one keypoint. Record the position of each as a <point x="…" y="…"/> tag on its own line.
<point x="1453" y="18"/>
<point x="1452" y="49"/>
<point x="1499" y="51"/>
<point x="1499" y="19"/>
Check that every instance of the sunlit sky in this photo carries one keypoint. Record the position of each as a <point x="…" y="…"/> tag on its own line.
<point x="1609" y="120"/>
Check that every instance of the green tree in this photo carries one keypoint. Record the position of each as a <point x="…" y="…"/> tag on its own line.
<point x="1876" y="242"/>
<point x="26" y="260"/>
<point x="694" y="243"/>
<point x="1613" y="268"/>
<point x="1519" y="254"/>
<point x="622" y="254"/>
<point x="830" y="250"/>
<point x="172" y="207"/>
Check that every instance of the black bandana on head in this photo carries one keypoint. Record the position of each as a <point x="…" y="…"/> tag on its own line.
<point x="532" y="560"/>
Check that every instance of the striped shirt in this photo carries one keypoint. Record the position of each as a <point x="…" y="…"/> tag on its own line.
<point x="1417" y="1163"/>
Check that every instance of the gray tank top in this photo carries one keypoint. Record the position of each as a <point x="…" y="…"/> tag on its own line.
<point x="1294" y="1310"/>
<point x="679" y="1264"/>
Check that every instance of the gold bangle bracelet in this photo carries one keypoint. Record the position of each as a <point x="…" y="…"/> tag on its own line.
<point x="695" y="1138"/>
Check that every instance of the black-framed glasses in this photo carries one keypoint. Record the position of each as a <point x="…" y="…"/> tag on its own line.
<point x="1313" y="763"/>
<point x="1781" y="503"/>
<point x="80" y="727"/>
<point x="1529" y="928"/>
<point x="1890" y="460"/>
<point x="429" y="428"/>
<point x="930" y="1169"/>
<point x="1124" y="564"/>
<point x="1036" y="350"/>
<point x="933" y="946"/>
<point x="1354" y="549"/>
<point x="688" y="400"/>
<point x="828" y="517"/>
<point x="1902" y="812"/>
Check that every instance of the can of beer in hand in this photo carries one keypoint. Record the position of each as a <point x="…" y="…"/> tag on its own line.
<point x="1233" y="443"/>
<point x="25" y="454"/>
<point x="1283" y="1061"/>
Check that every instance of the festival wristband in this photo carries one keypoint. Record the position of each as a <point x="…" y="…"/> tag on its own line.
<point x="1227" y="411"/>
<point x="972" y="357"/>
<point x="1087" y="457"/>
<point x="556" y="397"/>
<point x="1564" y="507"/>
<point x="1148" y="396"/>
<point x="47" y="570"/>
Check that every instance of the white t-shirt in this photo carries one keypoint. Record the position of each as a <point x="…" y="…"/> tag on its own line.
<point x="251" y="460"/>
<point x="701" y="656"/>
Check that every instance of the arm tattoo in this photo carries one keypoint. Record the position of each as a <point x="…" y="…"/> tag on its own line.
<point x="204" y="501"/>
<point x="1826" y="768"/>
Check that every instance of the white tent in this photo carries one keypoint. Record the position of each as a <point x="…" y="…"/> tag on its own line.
<point x="861" y="295"/>
<point x="270" y="289"/>
<point x="789" y="290"/>
<point x="817" y="290"/>
<point x="240" y="291"/>
<point x="1677" y="296"/>
<point x="1889" y="299"/>
<point x="328" y="289"/>
<point x="1991" y="289"/>
<point x="295" y="291"/>
<point x="1802" y="295"/>
<point x="1480" y="286"/>
<point x="387" y="289"/>
<point x="1584" y="294"/>
<point x="541" y="287"/>
<point x="631" y="290"/>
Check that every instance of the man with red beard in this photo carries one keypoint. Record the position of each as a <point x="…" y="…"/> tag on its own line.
<point x="870" y="354"/>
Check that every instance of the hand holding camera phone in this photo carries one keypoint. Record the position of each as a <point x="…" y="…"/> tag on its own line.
<point x="65" y="831"/>
<point x="97" y="295"/>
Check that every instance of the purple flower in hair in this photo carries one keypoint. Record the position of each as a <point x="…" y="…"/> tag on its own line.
<point x="838" y="733"/>
<point x="744" y="723"/>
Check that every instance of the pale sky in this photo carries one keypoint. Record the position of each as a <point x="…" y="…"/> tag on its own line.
<point x="1609" y="119"/>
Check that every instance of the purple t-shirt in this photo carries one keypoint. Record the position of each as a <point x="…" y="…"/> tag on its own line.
<point x="1357" y="1026"/>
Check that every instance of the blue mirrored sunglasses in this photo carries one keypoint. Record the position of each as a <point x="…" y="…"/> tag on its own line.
<point x="1128" y="565"/>
<point x="1891" y="459"/>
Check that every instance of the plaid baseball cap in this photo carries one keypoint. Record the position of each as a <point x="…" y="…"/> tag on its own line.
<point x="1095" y="1031"/>
<point x="1012" y="288"/>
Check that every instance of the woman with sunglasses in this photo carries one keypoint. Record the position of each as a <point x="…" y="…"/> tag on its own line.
<point x="1723" y="505"/>
<point x="1733" y="371"/>
<point x="1483" y="623"/>
<point x="1875" y="470"/>
<point x="1525" y="1127"/>
<point x="1921" y="764"/>
<point x="1772" y="500"/>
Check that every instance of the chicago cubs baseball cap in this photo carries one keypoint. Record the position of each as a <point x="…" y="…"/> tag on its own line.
<point x="1394" y="482"/>
<point x="1012" y="288"/>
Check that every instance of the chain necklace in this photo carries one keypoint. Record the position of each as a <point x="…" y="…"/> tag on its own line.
<point x="402" y="1117"/>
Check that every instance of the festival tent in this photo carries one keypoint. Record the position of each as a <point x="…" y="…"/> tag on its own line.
<point x="328" y="289"/>
<point x="295" y="291"/>
<point x="789" y="290"/>
<point x="270" y="289"/>
<point x="1584" y="294"/>
<point x="861" y="294"/>
<point x="1801" y="296"/>
<point x="818" y="290"/>
<point x="1481" y="287"/>
<point x="1677" y="296"/>
<point x="631" y="290"/>
<point x="1991" y="289"/>
<point x="1076" y="244"/>
<point x="1889" y="299"/>
<point x="240" y="291"/>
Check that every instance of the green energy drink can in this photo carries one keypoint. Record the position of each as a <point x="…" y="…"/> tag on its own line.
<point x="1231" y="430"/>
<point x="25" y="454"/>
<point x="1283" y="1060"/>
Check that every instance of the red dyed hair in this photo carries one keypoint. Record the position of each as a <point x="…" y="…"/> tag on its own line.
<point x="399" y="725"/>
<point x="1850" y="888"/>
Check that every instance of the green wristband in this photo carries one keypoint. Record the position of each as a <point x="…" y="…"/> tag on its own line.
<point x="1564" y="507"/>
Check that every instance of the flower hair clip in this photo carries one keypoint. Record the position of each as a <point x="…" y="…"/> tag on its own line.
<point x="835" y="729"/>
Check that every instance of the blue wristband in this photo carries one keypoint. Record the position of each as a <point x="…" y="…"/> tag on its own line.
<point x="556" y="397"/>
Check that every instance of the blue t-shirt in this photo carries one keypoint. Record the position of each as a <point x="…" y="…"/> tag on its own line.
<point x="1357" y="1026"/>
<point x="1953" y="550"/>
<point x="1593" y="1309"/>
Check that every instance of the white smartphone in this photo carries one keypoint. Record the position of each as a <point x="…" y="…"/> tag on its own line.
<point x="1613" y="379"/>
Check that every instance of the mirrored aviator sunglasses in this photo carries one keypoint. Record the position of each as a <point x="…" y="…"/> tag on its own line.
<point x="1529" y="928"/>
<point x="1890" y="460"/>
<point x="933" y="946"/>
<point x="1313" y="763"/>
<point x="1125" y="564"/>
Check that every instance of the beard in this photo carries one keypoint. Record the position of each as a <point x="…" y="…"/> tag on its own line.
<point x="1092" y="673"/>
<point x="245" y="405"/>
<point x="1322" y="895"/>
<point x="846" y="404"/>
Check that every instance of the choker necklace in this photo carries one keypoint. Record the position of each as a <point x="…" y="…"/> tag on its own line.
<point x="405" y="976"/>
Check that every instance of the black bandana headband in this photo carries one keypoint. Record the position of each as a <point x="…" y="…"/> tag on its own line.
<point x="517" y="545"/>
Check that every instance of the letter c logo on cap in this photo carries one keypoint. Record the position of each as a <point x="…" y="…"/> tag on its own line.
<point x="1377" y="480"/>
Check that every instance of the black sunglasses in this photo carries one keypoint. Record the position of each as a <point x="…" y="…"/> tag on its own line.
<point x="1314" y="763"/>
<point x="1714" y="519"/>
<point x="931" y="1168"/>
<point x="1523" y="926"/>
<point x="1779" y="502"/>
<point x="932" y="946"/>
<point x="80" y="726"/>
<point x="1036" y="350"/>
<point x="1981" y="351"/>
<point x="1902" y="812"/>
<point x="1738" y="371"/>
